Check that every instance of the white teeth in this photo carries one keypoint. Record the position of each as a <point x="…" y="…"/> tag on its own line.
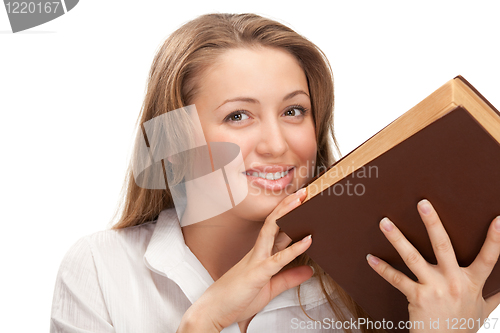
<point x="268" y="176"/>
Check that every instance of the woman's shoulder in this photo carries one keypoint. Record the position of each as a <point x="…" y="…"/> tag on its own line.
<point x="110" y="245"/>
<point x="112" y="238"/>
<point x="119" y="247"/>
<point x="126" y="237"/>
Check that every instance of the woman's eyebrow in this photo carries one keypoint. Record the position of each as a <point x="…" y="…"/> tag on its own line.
<point x="295" y="93"/>
<point x="253" y="100"/>
<point x="240" y="99"/>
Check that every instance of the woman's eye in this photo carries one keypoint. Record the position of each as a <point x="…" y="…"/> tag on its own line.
<point x="295" y="111"/>
<point x="236" y="116"/>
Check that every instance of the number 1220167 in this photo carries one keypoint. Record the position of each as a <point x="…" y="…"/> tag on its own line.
<point x="31" y="7"/>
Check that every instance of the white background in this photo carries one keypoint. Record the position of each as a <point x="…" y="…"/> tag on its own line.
<point x="71" y="91"/>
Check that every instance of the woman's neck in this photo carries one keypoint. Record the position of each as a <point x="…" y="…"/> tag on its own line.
<point x="220" y="242"/>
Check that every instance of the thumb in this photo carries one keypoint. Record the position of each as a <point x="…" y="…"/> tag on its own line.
<point x="289" y="278"/>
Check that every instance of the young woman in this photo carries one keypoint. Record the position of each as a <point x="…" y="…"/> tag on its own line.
<point x="258" y="84"/>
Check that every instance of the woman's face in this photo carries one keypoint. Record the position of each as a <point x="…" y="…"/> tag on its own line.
<point x="259" y="99"/>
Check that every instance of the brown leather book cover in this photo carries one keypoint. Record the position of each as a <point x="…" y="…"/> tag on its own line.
<point x="453" y="162"/>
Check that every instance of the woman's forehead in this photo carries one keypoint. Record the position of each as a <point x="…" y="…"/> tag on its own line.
<point x="259" y="73"/>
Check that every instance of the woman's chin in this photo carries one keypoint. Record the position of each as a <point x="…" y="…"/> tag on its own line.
<point x="258" y="207"/>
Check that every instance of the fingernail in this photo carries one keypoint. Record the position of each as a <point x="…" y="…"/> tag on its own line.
<point x="301" y="191"/>
<point x="497" y="223"/>
<point x="314" y="271"/>
<point x="372" y="259"/>
<point x="305" y="239"/>
<point x="294" y="202"/>
<point x="387" y="224"/>
<point x="425" y="206"/>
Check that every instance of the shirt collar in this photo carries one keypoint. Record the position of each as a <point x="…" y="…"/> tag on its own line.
<point x="167" y="254"/>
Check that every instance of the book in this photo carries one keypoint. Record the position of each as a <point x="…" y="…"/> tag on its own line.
<point x="445" y="149"/>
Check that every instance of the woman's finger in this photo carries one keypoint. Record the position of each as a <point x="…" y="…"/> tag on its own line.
<point x="277" y="261"/>
<point x="441" y="244"/>
<point x="397" y="279"/>
<point x="267" y="235"/>
<point x="289" y="278"/>
<point x="283" y="207"/>
<point x="281" y="242"/>
<point x="412" y="258"/>
<point x="482" y="266"/>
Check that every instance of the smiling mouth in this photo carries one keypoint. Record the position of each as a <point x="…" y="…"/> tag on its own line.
<point x="268" y="175"/>
<point x="274" y="181"/>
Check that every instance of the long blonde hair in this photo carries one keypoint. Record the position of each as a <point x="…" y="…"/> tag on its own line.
<point x="172" y="84"/>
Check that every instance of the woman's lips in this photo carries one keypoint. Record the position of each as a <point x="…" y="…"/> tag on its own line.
<point x="273" y="185"/>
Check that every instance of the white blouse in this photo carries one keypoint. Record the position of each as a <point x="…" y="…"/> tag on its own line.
<point x="142" y="279"/>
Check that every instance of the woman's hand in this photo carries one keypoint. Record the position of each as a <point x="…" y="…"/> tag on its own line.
<point x="249" y="285"/>
<point x="443" y="291"/>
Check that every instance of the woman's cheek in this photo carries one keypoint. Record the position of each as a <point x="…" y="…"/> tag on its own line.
<point x="305" y="147"/>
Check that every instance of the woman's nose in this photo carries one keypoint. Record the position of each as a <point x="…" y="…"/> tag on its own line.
<point x="272" y="141"/>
